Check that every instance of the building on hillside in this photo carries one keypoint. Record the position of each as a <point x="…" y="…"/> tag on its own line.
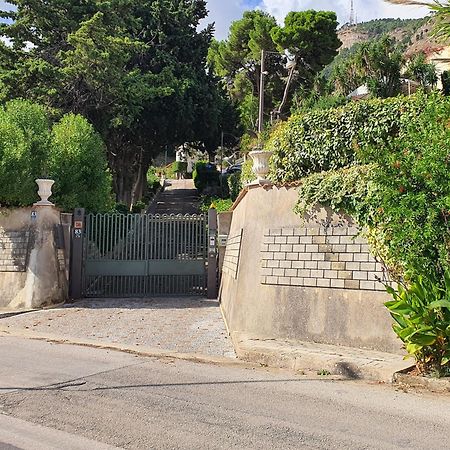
<point x="441" y="59"/>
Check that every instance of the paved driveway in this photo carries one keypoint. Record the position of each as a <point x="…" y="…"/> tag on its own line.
<point x="186" y="325"/>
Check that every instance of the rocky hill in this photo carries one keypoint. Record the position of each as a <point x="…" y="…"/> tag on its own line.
<point x="413" y="34"/>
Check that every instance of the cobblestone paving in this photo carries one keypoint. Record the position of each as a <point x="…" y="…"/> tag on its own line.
<point x="188" y="325"/>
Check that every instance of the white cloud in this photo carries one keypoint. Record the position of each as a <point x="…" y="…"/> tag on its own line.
<point x="223" y="12"/>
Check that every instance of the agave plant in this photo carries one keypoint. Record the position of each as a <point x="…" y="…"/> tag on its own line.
<point x="421" y="312"/>
<point x="441" y="8"/>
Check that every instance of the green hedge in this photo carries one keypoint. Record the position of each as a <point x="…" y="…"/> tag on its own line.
<point x="331" y="139"/>
<point x="24" y="147"/>
<point x="78" y="165"/>
<point x="70" y="152"/>
<point x="205" y="175"/>
<point x="180" y="167"/>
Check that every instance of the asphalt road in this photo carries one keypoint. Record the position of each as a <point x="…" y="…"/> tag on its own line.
<point x="82" y="397"/>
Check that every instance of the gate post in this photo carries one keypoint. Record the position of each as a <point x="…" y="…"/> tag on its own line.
<point x="212" y="254"/>
<point x="76" y="255"/>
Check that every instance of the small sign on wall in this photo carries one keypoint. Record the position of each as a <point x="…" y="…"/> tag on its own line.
<point x="78" y="224"/>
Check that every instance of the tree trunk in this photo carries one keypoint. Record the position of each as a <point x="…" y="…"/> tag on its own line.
<point x="125" y="168"/>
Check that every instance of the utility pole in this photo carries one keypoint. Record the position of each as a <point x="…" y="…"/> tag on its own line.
<point x="261" y="96"/>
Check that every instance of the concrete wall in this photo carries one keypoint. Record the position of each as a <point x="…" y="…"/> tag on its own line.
<point x="32" y="267"/>
<point x="309" y="279"/>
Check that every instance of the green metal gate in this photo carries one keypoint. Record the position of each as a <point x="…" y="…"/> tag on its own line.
<point x="143" y="255"/>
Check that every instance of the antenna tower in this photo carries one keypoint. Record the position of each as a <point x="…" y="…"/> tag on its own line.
<point x="352" y="20"/>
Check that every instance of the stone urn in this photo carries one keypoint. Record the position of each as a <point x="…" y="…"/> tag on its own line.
<point x="45" y="191"/>
<point x="261" y="165"/>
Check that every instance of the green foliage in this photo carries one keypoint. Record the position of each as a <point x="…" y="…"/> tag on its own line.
<point x="403" y="200"/>
<point x="317" y="102"/>
<point x="179" y="167"/>
<point x="419" y="70"/>
<point x="378" y="27"/>
<point x="331" y="139"/>
<point x="135" y="69"/>
<point x="205" y="176"/>
<point x="247" y="174"/>
<point x="445" y="78"/>
<point x="311" y="37"/>
<point x="235" y="185"/>
<point x="220" y="204"/>
<point x="238" y="61"/>
<point x="411" y="204"/>
<point x="24" y="145"/>
<point x="153" y="180"/>
<point x="121" y="208"/>
<point x="342" y="190"/>
<point x="375" y="63"/>
<point x="138" y="207"/>
<point x="421" y="312"/>
<point x="78" y="164"/>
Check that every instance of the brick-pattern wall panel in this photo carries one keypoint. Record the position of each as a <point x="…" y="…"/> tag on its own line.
<point x="14" y="247"/>
<point x="332" y="257"/>
<point x="232" y="255"/>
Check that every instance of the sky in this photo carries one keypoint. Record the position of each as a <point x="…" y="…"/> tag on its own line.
<point x="223" y="12"/>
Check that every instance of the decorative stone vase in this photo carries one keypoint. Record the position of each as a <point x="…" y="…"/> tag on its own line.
<point x="261" y="165"/>
<point x="45" y="191"/>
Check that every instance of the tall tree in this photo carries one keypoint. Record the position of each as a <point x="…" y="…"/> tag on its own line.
<point x="376" y="63"/>
<point x="238" y="61"/>
<point x="309" y="36"/>
<point x="135" y="68"/>
<point x="419" y="70"/>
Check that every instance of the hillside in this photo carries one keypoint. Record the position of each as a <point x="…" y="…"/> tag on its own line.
<point x="413" y="34"/>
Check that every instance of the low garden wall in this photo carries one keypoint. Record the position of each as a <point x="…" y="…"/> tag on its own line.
<point x="310" y="278"/>
<point x="32" y="259"/>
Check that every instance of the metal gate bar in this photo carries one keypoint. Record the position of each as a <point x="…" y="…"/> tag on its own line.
<point x="142" y="255"/>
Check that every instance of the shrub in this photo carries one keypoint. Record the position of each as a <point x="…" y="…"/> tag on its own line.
<point x="138" y="207"/>
<point x="342" y="190"/>
<point x="153" y="184"/>
<point x="330" y="139"/>
<point x="78" y="165"/>
<point x="235" y="185"/>
<point x="24" y="144"/>
<point x="247" y="174"/>
<point x="179" y="167"/>
<point x="422" y="321"/>
<point x="206" y="175"/>
<point x="220" y="204"/>
<point x="411" y="202"/>
<point x="403" y="199"/>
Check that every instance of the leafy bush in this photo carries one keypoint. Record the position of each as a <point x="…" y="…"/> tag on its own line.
<point x="330" y="139"/>
<point x="247" y="174"/>
<point x="422" y="321"/>
<point x="153" y="184"/>
<point x="121" y="208"/>
<point x="342" y="190"/>
<point x="179" y="167"/>
<point x="411" y="203"/>
<point x="78" y="164"/>
<point x="138" y="207"/>
<point x="220" y="204"/>
<point x="24" y="144"/>
<point x="206" y="175"/>
<point x="403" y="200"/>
<point x="235" y="185"/>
